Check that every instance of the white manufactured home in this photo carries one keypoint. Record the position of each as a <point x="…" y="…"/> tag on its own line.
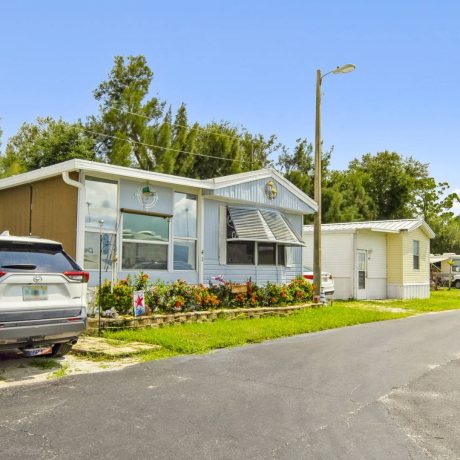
<point x="375" y="260"/>
<point x="242" y="226"/>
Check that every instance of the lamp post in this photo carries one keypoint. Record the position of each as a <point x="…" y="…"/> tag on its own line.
<point x="317" y="222"/>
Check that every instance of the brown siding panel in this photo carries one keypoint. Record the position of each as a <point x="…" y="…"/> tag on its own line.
<point x="15" y="210"/>
<point x="54" y="212"/>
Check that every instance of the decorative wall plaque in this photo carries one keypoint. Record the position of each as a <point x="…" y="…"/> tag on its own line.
<point x="147" y="197"/>
<point x="270" y="190"/>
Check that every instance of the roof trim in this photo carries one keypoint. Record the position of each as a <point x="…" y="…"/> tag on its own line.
<point x="98" y="168"/>
<point x="139" y="174"/>
<point x="375" y="226"/>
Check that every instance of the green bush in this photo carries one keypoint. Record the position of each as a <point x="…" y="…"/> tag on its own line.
<point x="180" y="296"/>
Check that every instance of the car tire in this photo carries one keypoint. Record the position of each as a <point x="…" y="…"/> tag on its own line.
<point x="60" y="349"/>
<point x="457" y="284"/>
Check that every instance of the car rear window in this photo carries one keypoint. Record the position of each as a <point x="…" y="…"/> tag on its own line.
<point x="34" y="257"/>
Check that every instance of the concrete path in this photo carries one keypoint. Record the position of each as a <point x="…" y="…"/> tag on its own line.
<point x="378" y="391"/>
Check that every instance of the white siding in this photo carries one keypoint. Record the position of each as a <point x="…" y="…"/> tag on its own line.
<point x="408" y="291"/>
<point x="376" y="246"/>
<point x="337" y="258"/>
<point x="241" y="273"/>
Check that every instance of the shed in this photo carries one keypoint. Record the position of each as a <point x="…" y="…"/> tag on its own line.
<point x="375" y="259"/>
<point x="240" y="226"/>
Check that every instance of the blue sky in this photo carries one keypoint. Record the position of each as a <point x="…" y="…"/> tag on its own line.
<point x="252" y="63"/>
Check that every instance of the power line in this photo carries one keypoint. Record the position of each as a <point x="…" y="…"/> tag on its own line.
<point x="161" y="147"/>
<point x="183" y="126"/>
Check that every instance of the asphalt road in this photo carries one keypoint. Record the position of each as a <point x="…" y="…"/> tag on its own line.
<point x="386" y="390"/>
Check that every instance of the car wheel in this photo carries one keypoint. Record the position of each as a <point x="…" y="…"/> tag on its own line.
<point x="457" y="284"/>
<point x="61" y="349"/>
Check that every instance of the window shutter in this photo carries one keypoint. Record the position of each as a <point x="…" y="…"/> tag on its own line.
<point x="222" y="235"/>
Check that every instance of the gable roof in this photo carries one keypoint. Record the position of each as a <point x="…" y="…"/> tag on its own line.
<point x="386" y="226"/>
<point x="139" y="174"/>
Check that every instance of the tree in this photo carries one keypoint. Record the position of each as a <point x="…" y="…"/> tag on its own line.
<point x="128" y="120"/>
<point x="133" y="130"/>
<point x="391" y="182"/>
<point x="43" y="143"/>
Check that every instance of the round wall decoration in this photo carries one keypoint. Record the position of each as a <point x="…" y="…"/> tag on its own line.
<point x="147" y="197"/>
<point x="270" y="190"/>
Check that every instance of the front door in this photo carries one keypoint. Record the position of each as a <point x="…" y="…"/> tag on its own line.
<point x="362" y="274"/>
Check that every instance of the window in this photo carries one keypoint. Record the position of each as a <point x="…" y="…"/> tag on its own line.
<point x="281" y="255"/>
<point x="145" y="242"/>
<point x="91" y="256"/>
<point x="240" y="252"/>
<point x="101" y="205"/>
<point x="35" y="257"/>
<point x="416" y="254"/>
<point x="185" y="232"/>
<point x="266" y="254"/>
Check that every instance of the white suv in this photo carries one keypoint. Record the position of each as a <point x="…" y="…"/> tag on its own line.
<point x="42" y="297"/>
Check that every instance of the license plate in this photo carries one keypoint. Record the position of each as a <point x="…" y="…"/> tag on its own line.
<point x="35" y="293"/>
<point x="37" y="351"/>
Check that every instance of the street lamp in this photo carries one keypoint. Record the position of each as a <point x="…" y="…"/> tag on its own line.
<point x="317" y="222"/>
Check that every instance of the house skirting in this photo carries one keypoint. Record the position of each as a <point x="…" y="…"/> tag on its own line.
<point x="408" y="291"/>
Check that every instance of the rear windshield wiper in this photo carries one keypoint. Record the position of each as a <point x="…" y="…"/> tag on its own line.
<point x="21" y="266"/>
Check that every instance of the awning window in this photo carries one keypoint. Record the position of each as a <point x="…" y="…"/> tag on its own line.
<point x="252" y="224"/>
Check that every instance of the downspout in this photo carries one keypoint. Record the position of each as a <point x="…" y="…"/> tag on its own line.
<point x="73" y="183"/>
<point x="66" y="178"/>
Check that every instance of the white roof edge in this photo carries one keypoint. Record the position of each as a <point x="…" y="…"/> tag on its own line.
<point x="101" y="168"/>
<point x="123" y="171"/>
<point x="376" y="226"/>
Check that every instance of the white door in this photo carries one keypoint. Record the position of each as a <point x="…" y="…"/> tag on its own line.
<point x="361" y="274"/>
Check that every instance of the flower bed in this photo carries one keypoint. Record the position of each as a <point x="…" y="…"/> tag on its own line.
<point x="178" y="297"/>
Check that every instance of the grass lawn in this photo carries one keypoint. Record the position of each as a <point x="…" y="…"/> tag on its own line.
<point x="203" y="337"/>
<point x="439" y="301"/>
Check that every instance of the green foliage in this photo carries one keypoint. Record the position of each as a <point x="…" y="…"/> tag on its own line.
<point x="119" y="296"/>
<point x="179" y="296"/>
<point x="126" y="114"/>
<point x="43" y="143"/>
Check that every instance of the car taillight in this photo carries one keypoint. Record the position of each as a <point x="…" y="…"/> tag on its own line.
<point x="83" y="277"/>
<point x="2" y="274"/>
<point x="308" y="277"/>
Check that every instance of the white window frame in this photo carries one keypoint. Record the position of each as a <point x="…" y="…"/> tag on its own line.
<point x="184" y="238"/>
<point x="416" y="253"/>
<point x="166" y="243"/>
<point x="95" y="230"/>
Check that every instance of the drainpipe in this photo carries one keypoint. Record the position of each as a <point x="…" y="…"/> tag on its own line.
<point x="80" y="197"/>
<point x="66" y="178"/>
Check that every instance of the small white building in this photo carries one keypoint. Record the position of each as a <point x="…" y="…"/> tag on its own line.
<point x="375" y="260"/>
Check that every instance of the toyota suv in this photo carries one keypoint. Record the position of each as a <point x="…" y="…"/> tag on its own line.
<point x="42" y="296"/>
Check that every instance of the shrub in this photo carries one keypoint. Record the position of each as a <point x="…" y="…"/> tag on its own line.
<point x="180" y="296"/>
